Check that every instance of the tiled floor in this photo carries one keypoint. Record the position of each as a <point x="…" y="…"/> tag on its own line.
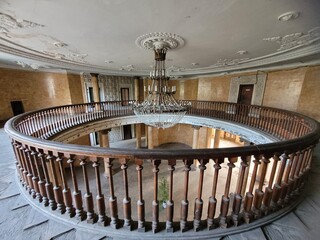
<point x="18" y="219"/>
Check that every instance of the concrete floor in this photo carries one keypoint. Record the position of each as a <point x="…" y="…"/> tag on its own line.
<point x="18" y="219"/>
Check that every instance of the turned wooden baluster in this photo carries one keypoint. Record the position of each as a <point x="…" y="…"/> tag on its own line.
<point x="170" y="203"/>
<point x="112" y="199"/>
<point x="285" y="183"/>
<point x="276" y="191"/>
<point x="101" y="207"/>
<point x="237" y="197"/>
<point x="246" y="177"/>
<point x="77" y="197"/>
<point x="48" y="184"/>
<point x="212" y="200"/>
<point x="155" y="202"/>
<point x="185" y="202"/>
<point x="247" y="213"/>
<point x="198" y="205"/>
<point x="259" y="194"/>
<point x="268" y="190"/>
<point x="37" y="179"/>
<point x="292" y="176"/>
<point x="225" y="197"/>
<point x="17" y="162"/>
<point x="88" y="195"/>
<point x="26" y="152"/>
<point x="126" y="200"/>
<point x="309" y="160"/>
<point x="140" y="202"/>
<point x="302" y="172"/>
<point x="297" y="174"/>
<point x="66" y="190"/>
<point x="56" y="186"/>
<point x="41" y="182"/>
<point x="22" y="165"/>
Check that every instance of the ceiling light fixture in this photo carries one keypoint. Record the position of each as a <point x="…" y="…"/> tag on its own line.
<point x="160" y="109"/>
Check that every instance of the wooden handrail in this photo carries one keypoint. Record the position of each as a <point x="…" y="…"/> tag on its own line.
<point x="307" y="134"/>
<point x="41" y="167"/>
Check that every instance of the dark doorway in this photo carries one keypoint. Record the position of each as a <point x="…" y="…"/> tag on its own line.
<point x="17" y="107"/>
<point x="125" y="96"/>
<point x="96" y="137"/>
<point x="90" y="94"/>
<point x="127" y="132"/>
<point x="244" y="97"/>
<point x="245" y="94"/>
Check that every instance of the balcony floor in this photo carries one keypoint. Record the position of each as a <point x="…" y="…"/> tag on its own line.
<point x="18" y="220"/>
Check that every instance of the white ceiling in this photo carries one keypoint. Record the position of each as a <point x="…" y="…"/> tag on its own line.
<point x="99" y="36"/>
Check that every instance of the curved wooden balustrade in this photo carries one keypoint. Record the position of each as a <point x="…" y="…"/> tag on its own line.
<point x="41" y="168"/>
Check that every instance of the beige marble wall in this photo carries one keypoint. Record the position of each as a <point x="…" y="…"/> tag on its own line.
<point x="214" y="88"/>
<point x="37" y="90"/>
<point x="180" y="133"/>
<point x="309" y="100"/>
<point x="283" y="88"/>
<point x="295" y="90"/>
<point x="75" y="88"/>
<point x="85" y="140"/>
<point x="186" y="89"/>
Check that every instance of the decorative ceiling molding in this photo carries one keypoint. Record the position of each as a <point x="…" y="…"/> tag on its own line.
<point x="86" y="77"/>
<point x="7" y="23"/>
<point x="173" y="69"/>
<point x="228" y="62"/>
<point x="242" y="52"/>
<point x="29" y="35"/>
<point x="295" y="39"/>
<point x="288" y="16"/>
<point x="147" y="41"/>
<point x="60" y="44"/>
<point x="128" y="68"/>
<point x="253" y="63"/>
<point x="73" y="57"/>
<point x="260" y="62"/>
<point x="31" y="65"/>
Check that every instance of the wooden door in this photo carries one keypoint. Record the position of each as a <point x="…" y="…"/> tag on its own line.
<point x="124" y="96"/>
<point x="245" y="94"/>
<point x="127" y="132"/>
<point x="244" y="97"/>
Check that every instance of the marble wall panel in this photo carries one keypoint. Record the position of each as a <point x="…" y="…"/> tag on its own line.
<point x="214" y="88"/>
<point x="36" y="90"/>
<point x="283" y="88"/>
<point x="309" y="100"/>
<point x="75" y="88"/>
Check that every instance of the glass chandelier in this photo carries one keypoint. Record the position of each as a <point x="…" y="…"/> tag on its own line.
<point x="160" y="109"/>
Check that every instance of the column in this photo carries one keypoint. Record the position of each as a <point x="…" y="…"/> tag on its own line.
<point x="195" y="141"/>
<point x="138" y="135"/>
<point x="216" y="138"/>
<point x="104" y="142"/>
<point x="95" y="87"/>
<point x="150" y="138"/>
<point x="145" y="86"/>
<point x="136" y="89"/>
<point x="210" y="132"/>
<point x="104" y="138"/>
<point x="146" y="133"/>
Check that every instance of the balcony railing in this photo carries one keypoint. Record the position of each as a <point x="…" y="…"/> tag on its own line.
<point x="223" y="194"/>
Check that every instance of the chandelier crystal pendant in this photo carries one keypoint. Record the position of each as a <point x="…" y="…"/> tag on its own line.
<point x="160" y="109"/>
